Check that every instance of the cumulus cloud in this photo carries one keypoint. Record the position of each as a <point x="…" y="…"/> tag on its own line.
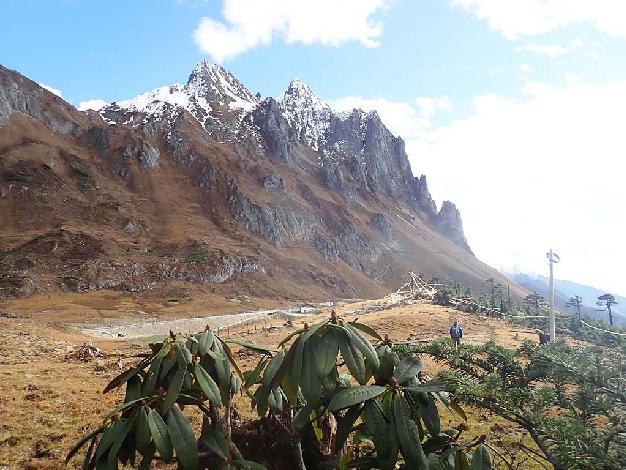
<point x="95" y="104"/>
<point x="544" y="170"/>
<point x="401" y="118"/>
<point x="515" y="18"/>
<point x="252" y="23"/>
<point x="52" y="90"/>
<point x="526" y="68"/>
<point x="551" y="50"/>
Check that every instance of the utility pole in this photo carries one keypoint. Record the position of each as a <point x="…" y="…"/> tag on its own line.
<point x="553" y="258"/>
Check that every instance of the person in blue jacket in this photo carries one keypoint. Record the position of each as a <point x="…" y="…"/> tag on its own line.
<point x="456" y="333"/>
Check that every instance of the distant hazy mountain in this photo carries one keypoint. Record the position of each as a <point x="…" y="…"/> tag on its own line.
<point x="564" y="290"/>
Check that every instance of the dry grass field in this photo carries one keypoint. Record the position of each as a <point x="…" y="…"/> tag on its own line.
<point x="49" y="399"/>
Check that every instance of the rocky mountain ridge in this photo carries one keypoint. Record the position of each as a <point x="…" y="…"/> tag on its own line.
<point x="354" y="144"/>
<point x="205" y="183"/>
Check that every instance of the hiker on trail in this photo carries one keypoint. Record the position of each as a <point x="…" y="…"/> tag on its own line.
<point x="456" y="333"/>
<point x="544" y="338"/>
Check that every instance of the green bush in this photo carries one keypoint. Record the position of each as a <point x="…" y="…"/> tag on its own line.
<point x="197" y="257"/>
<point x="384" y="414"/>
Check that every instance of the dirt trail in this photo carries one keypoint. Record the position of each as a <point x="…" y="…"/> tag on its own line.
<point x="185" y="325"/>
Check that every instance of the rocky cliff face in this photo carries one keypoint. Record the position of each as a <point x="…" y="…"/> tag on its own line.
<point x="208" y="166"/>
<point x="449" y="224"/>
<point x="355" y="151"/>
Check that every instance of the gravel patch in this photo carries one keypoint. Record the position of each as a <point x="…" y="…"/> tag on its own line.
<point x="187" y="325"/>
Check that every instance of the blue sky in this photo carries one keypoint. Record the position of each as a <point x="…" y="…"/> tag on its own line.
<point x="504" y="104"/>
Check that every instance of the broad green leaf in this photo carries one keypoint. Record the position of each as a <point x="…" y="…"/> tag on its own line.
<point x="368" y="330"/>
<point x="174" y="389"/>
<point x="158" y="429"/>
<point x="278" y="398"/>
<point x="428" y="412"/>
<point x="289" y="336"/>
<point x="183" y="439"/>
<point x="383" y="436"/>
<point x="107" y="439"/>
<point x="89" y="454"/>
<point x="121" y="433"/>
<point x="408" y="435"/>
<point x="253" y="347"/>
<point x="461" y="461"/>
<point x="83" y="441"/>
<point x="143" y="437"/>
<point x="312" y="330"/>
<point x="353" y="358"/>
<point x="133" y="389"/>
<point x="387" y="364"/>
<point x="261" y="397"/>
<point x="344" y="426"/>
<point x="183" y="355"/>
<point x="298" y="356"/>
<point x="458" y="410"/>
<point x="481" y="460"/>
<point x="192" y="345"/>
<point x="203" y="343"/>
<point x="326" y="355"/>
<point x="207" y="385"/>
<point x="272" y="403"/>
<point x="436" y="443"/>
<point x="222" y="367"/>
<point x="272" y="368"/>
<point x="216" y="356"/>
<point x="216" y="441"/>
<point x="231" y="359"/>
<point x="252" y="377"/>
<point x="291" y="390"/>
<point x="408" y="368"/>
<point x="347" y="397"/>
<point x="164" y="351"/>
<point x="152" y="376"/>
<point x="430" y="386"/>
<point x="302" y="417"/>
<point x="168" y="362"/>
<point x="359" y="342"/>
<point x="235" y="384"/>
<point x="125" y="406"/>
<point x="310" y="382"/>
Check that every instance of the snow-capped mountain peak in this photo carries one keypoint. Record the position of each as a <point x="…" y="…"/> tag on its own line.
<point x="209" y="92"/>
<point x="217" y="85"/>
<point x="299" y="95"/>
<point x="305" y="112"/>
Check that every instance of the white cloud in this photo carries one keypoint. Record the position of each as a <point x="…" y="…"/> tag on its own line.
<point x="96" y="105"/>
<point x="546" y="170"/>
<point x="515" y="18"/>
<point x="251" y="23"/>
<point x="401" y="118"/>
<point x="526" y="68"/>
<point x="552" y="50"/>
<point x="52" y="90"/>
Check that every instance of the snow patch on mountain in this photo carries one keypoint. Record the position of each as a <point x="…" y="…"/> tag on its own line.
<point x="306" y="113"/>
<point x="152" y="102"/>
<point x="210" y="88"/>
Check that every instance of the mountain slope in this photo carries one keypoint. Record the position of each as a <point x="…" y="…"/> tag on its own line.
<point x="194" y="185"/>
<point x="565" y="290"/>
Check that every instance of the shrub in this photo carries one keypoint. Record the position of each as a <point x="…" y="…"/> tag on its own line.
<point x="346" y="403"/>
